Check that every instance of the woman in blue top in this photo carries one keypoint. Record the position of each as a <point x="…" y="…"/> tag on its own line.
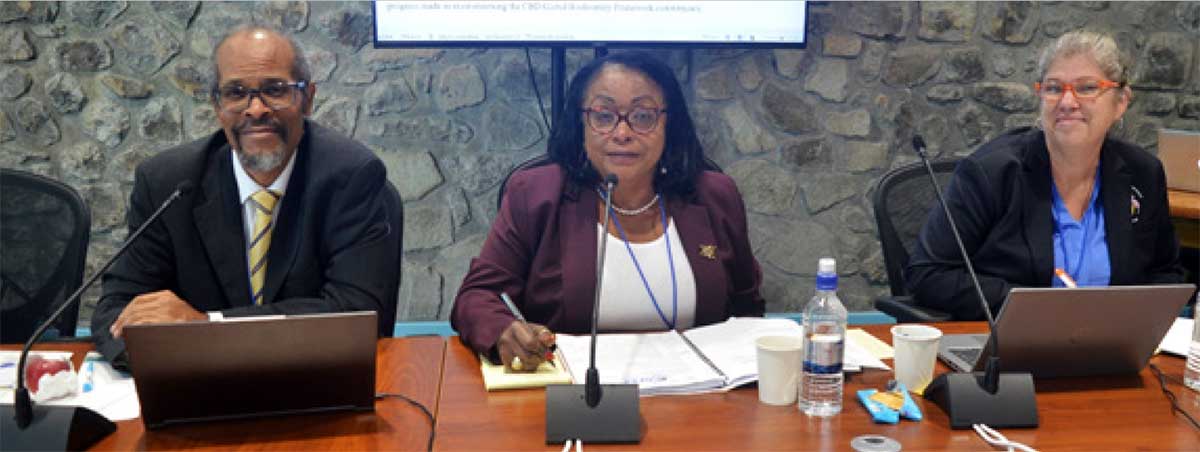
<point x="1053" y="205"/>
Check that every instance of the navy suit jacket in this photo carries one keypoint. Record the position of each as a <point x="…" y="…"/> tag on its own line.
<point x="541" y="250"/>
<point x="1001" y="200"/>
<point x="335" y="246"/>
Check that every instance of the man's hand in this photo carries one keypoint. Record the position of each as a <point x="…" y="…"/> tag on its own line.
<point x="155" y="307"/>
<point x="526" y="344"/>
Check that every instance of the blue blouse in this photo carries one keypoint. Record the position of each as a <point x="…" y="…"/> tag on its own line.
<point x="1081" y="247"/>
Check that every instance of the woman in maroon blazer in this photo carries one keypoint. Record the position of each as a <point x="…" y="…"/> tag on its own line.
<point x="678" y="255"/>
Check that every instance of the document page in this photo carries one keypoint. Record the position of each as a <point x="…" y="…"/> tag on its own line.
<point x="659" y="363"/>
<point x="730" y="344"/>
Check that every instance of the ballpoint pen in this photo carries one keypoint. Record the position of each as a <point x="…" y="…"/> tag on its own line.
<point x="1066" y="278"/>
<point x="517" y="313"/>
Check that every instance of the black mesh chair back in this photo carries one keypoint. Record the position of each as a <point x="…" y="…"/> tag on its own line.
<point x="903" y="201"/>
<point x="44" y="231"/>
<point x="540" y="160"/>
<point x="543" y="160"/>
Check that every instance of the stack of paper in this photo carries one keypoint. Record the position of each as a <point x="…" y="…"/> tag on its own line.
<point x="1178" y="338"/>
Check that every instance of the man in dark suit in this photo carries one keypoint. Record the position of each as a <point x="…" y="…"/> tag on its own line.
<point x="288" y="217"/>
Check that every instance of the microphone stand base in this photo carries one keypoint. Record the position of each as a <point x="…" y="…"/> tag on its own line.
<point x="53" y="428"/>
<point x="963" y="397"/>
<point x="616" y="419"/>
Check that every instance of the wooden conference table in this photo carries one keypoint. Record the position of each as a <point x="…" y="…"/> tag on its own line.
<point x="1109" y="413"/>
<point x="1185" y="212"/>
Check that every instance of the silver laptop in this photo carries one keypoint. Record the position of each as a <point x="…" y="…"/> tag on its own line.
<point x="1058" y="332"/>
<point x="253" y="366"/>
<point x="1179" y="151"/>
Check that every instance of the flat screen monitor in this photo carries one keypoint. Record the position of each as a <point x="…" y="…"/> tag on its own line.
<point x="433" y="23"/>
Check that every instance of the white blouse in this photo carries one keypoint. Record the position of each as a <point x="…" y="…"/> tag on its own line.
<point x="624" y="303"/>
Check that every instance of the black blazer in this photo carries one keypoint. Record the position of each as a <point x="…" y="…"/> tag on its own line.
<point x="335" y="247"/>
<point x="1001" y="200"/>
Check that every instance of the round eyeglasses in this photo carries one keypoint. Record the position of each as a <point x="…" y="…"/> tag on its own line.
<point x="1053" y="90"/>
<point x="276" y="95"/>
<point x="640" y="119"/>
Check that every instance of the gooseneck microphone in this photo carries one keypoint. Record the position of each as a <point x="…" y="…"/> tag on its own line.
<point x="993" y="398"/>
<point x="592" y="384"/>
<point x="990" y="380"/>
<point x="65" y="427"/>
<point x="593" y="412"/>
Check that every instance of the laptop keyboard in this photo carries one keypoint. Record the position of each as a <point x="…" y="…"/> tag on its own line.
<point x="969" y="355"/>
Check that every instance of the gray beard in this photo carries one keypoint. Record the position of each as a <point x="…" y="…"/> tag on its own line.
<point x="261" y="163"/>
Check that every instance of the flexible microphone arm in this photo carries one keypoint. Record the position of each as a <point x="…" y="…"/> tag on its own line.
<point x="592" y="383"/>
<point x="992" y="371"/>
<point x="23" y="404"/>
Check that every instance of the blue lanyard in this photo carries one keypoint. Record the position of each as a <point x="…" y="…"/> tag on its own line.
<point x="670" y="260"/>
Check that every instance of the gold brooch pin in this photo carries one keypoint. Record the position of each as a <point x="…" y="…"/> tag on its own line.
<point x="709" y="251"/>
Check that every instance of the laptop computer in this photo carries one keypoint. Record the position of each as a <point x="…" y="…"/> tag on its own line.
<point x="253" y="366"/>
<point x="1179" y="151"/>
<point x="1059" y="332"/>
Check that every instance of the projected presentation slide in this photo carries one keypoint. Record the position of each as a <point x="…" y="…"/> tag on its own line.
<point x="699" y="22"/>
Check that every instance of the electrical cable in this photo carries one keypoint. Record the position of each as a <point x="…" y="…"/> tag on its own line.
<point x="1162" y="382"/>
<point x="997" y="439"/>
<point x="536" y="92"/>
<point x="424" y="409"/>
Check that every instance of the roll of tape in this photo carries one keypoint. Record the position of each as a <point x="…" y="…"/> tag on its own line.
<point x="874" y="443"/>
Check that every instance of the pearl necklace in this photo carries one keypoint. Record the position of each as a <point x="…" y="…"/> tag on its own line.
<point x="630" y="212"/>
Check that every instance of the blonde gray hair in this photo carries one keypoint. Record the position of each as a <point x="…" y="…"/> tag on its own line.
<point x="1100" y="47"/>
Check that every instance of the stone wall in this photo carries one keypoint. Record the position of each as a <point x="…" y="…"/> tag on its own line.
<point x="89" y="89"/>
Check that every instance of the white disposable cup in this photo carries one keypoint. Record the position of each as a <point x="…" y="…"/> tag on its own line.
<point x="916" y="352"/>
<point x="778" y="368"/>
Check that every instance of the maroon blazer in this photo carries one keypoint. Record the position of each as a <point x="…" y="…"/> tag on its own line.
<point x="541" y="250"/>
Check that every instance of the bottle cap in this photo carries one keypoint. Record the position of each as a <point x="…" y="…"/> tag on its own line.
<point x="826" y="265"/>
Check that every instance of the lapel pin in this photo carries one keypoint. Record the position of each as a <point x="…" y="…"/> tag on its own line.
<point x="1135" y="204"/>
<point x="708" y="251"/>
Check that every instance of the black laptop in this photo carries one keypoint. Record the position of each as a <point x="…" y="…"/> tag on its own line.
<point x="253" y="366"/>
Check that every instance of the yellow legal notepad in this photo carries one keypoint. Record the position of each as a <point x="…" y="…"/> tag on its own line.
<point x="495" y="378"/>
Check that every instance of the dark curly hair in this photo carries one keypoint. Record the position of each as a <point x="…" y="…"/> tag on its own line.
<point x="682" y="154"/>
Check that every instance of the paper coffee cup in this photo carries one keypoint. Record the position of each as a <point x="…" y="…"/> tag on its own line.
<point x="778" y="368"/>
<point x="916" y="353"/>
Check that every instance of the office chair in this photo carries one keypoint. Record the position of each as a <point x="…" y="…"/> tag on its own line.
<point x="543" y="160"/>
<point x="902" y="202"/>
<point x="44" y="232"/>
<point x="395" y="205"/>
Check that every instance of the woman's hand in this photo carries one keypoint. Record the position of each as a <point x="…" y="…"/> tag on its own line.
<point x="523" y="346"/>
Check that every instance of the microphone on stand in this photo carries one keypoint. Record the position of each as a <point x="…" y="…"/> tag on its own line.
<point x="998" y="399"/>
<point x="51" y="427"/>
<point x="595" y="413"/>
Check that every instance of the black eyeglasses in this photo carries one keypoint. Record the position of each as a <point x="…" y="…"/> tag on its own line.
<point x="640" y="119"/>
<point x="276" y="95"/>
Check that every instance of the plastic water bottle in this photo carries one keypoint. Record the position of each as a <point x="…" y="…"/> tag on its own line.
<point x="821" y="379"/>
<point x="1191" y="374"/>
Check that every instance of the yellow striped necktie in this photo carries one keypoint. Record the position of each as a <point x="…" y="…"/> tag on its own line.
<point x="264" y="203"/>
